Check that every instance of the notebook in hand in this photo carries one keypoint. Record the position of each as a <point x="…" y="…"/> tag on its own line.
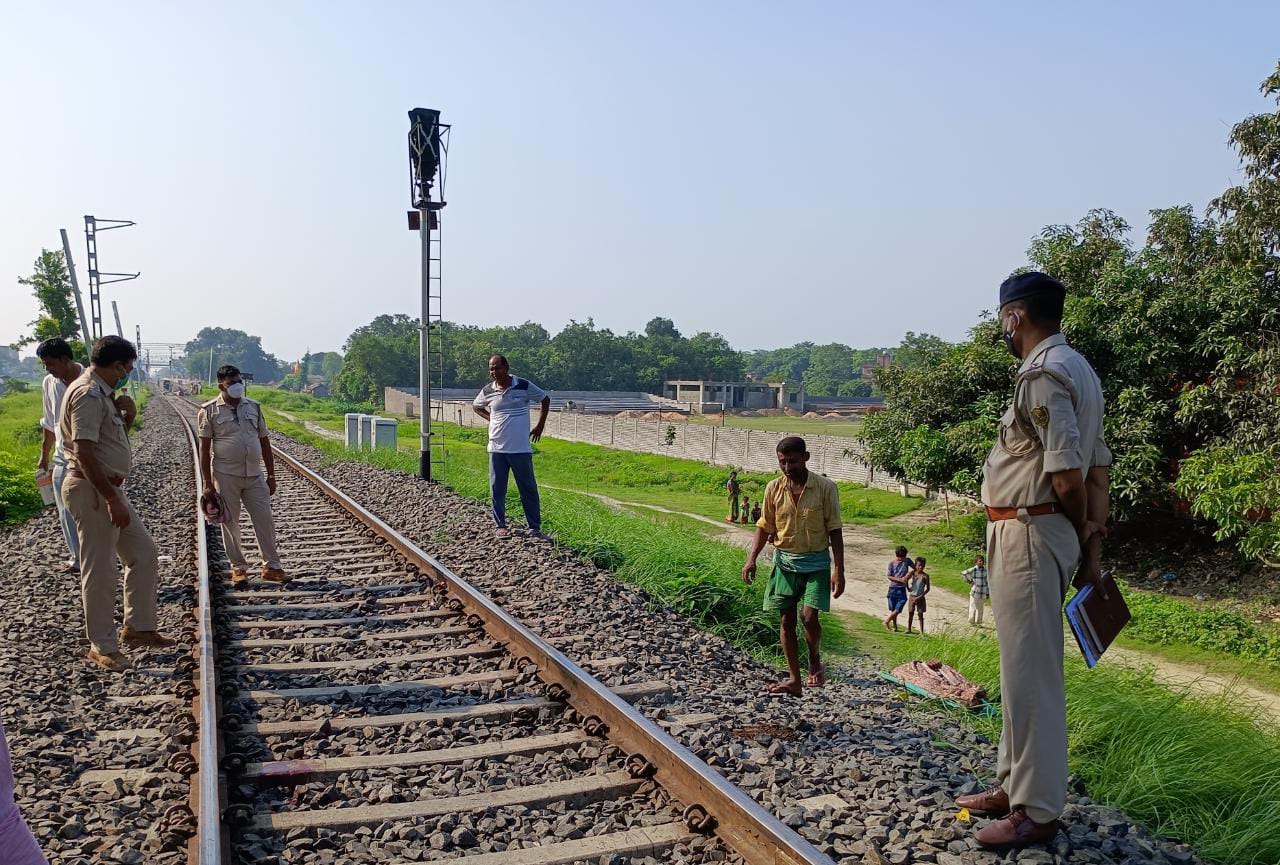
<point x="1096" y="621"/>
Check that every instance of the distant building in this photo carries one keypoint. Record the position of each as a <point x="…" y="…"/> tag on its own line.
<point x="708" y="397"/>
<point x="317" y="389"/>
<point x="883" y="361"/>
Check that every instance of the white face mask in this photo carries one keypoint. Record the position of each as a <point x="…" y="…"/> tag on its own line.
<point x="236" y="391"/>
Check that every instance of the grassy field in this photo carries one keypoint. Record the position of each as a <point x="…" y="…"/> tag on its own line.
<point x="20" y="438"/>
<point x="652" y="479"/>
<point x="821" y="426"/>
<point x="1194" y="767"/>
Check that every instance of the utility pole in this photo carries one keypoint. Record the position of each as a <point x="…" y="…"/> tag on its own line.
<point x="211" y="364"/>
<point x="92" y="225"/>
<point x="115" y="311"/>
<point x="85" y="336"/>
<point x="428" y="150"/>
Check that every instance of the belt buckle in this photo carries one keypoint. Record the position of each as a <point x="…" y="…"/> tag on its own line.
<point x="1023" y="516"/>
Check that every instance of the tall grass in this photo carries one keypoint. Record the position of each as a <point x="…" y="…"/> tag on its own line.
<point x="677" y="565"/>
<point x="1202" y="768"/>
<point x="20" y="439"/>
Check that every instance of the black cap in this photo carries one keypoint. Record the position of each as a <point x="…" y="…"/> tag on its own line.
<point x="1029" y="284"/>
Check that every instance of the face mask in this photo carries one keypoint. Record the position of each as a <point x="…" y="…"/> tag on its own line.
<point x="1007" y="336"/>
<point x="236" y="391"/>
<point x="122" y="381"/>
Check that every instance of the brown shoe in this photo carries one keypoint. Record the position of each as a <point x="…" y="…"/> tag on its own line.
<point x="239" y="576"/>
<point x="1016" y="830"/>
<point x="993" y="800"/>
<point x="116" y="662"/>
<point x="150" y="639"/>
<point x="274" y="575"/>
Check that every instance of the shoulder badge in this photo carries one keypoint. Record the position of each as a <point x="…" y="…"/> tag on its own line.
<point x="1040" y="414"/>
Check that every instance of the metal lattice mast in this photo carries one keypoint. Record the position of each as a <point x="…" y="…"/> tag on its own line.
<point x="92" y="225"/>
<point x="428" y="151"/>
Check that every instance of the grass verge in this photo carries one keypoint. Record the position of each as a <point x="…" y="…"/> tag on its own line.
<point x="20" y="439"/>
<point x="1204" y="769"/>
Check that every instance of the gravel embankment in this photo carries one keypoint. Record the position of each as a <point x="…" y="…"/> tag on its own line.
<point x="55" y="703"/>
<point x="897" y="766"/>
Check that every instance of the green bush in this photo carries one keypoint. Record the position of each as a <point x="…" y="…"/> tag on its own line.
<point x="19" y="498"/>
<point x="1171" y="621"/>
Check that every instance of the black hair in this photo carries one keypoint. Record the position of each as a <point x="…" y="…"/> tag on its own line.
<point x="792" y="445"/>
<point x="503" y="358"/>
<point x="1043" y="308"/>
<point x="112" y="349"/>
<point x="226" y="371"/>
<point x="921" y="561"/>
<point x="54" y="348"/>
<point x="900" y="552"/>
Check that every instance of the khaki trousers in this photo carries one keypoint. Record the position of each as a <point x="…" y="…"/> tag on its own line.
<point x="975" y="609"/>
<point x="1030" y="568"/>
<point x="100" y="543"/>
<point x="253" y="492"/>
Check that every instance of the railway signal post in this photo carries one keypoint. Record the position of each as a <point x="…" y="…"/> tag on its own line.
<point x="428" y="149"/>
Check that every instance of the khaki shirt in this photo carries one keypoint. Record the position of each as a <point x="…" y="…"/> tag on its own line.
<point x="1054" y="424"/>
<point x="89" y="413"/>
<point x="804" y="526"/>
<point x="235" y="432"/>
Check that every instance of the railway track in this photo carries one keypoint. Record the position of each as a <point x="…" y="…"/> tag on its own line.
<point x="379" y="708"/>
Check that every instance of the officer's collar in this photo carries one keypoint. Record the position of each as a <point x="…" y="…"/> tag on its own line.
<point x="1035" y="353"/>
<point x="97" y="380"/>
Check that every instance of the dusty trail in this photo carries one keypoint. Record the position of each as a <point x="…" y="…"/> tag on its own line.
<point x="866" y="554"/>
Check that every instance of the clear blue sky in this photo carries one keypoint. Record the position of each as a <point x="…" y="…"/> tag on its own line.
<point x="773" y="171"/>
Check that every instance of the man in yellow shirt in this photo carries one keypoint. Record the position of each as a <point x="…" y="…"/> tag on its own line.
<point x="802" y="517"/>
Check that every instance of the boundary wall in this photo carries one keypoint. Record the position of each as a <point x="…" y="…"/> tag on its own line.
<point x="837" y="457"/>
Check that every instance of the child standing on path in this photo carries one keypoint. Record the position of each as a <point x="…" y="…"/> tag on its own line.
<point x="920" y="586"/>
<point x="977" y="577"/>
<point x="898" y="573"/>
<point x="732" y="489"/>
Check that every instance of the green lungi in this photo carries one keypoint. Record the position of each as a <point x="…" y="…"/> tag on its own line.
<point x="799" y="578"/>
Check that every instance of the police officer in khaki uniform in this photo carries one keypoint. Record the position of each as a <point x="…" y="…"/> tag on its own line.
<point x="1045" y="488"/>
<point x="233" y="448"/>
<point x="95" y="424"/>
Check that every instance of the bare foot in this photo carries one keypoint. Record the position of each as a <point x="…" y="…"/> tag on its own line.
<point x="788" y="687"/>
<point x="817" y="676"/>
<point x="886" y="624"/>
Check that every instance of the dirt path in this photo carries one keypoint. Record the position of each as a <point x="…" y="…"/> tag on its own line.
<point x="867" y="552"/>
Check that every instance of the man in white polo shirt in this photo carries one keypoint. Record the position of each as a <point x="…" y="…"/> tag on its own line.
<point x="504" y="403"/>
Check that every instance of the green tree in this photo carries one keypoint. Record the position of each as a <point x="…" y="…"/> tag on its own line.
<point x="830" y="371"/>
<point x="380" y="354"/>
<point x="224" y="345"/>
<point x="1184" y="332"/>
<point x="51" y="284"/>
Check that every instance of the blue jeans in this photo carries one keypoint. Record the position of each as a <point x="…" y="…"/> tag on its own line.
<point x="521" y="465"/>
<point x="64" y="516"/>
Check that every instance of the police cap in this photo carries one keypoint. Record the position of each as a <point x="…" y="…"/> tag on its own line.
<point x="1029" y="284"/>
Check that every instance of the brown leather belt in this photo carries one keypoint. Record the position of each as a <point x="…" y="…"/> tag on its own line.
<point x="115" y="481"/>
<point x="995" y="515"/>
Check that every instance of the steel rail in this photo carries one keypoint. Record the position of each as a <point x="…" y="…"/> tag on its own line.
<point x="210" y="834"/>
<point x="712" y="802"/>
